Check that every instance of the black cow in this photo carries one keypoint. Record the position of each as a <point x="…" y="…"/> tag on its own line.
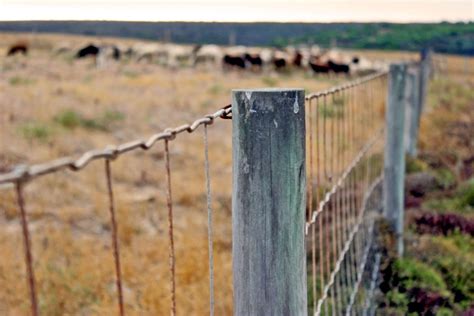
<point x="319" y="68"/>
<point x="116" y="53"/>
<point x="279" y="63"/>
<point x="254" y="60"/>
<point x="338" y="68"/>
<point x="89" y="50"/>
<point x="234" y="61"/>
<point x="18" y="48"/>
<point x="298" y="60"/>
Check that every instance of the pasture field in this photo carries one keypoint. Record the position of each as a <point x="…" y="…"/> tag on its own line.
<point x="53" y="106"/>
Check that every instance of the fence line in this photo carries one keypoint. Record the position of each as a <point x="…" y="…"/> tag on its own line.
<point x="22" y="174"/>
<point x="345" y="142"/>
<point x="346" y="129"/>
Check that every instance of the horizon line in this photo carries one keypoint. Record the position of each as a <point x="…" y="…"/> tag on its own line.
<point x="249" y="22"/>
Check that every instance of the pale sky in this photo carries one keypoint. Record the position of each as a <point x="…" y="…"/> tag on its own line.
<point x="240" y="10"/>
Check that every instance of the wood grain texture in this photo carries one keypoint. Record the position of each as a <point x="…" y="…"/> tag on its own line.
<point x="268" y="204"/>
<point x="394" y="161"/>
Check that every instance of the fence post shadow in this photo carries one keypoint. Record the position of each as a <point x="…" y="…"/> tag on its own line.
<point x="268" y="202"/>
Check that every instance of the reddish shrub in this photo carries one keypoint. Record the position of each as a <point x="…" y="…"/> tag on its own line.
<point x="443" y="224"/>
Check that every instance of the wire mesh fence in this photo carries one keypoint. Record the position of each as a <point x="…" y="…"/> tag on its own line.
<point x="21" y="175"/>
<point x="461" y="67"/>
<point x="345" y="129"/>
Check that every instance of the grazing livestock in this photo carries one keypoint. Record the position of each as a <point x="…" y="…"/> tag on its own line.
<point x="20" y="47"/>
<point x="254" y="60"/>
<point x="178" y="55"/>
<point x="207" y="55"/>
<point x="298" y="59"/>
<point x="279" y="63"/>
<point x="116" y="54"/>
<point x="233" y="62"/>
<point x="266" y="55"/>
<point x="112" y="52"/>
<point x="319" y="68"/>
<point x="338" y="68"/>
<point x="89" y="50"/>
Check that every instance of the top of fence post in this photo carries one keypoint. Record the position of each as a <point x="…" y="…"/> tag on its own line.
<point x="394" y="161"/>
<point x="268" y="202"/>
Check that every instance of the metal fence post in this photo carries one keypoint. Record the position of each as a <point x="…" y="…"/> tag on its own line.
<point x="394" y="162"/>
<point x="413" y="111"/>
<point x="268" y="202"/>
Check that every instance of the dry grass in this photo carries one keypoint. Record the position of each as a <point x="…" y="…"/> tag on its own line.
<point x="68" y="211"/>
<point x="45" y="101"/>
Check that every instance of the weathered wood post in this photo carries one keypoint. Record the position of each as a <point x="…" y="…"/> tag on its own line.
<point x="394" y="162"/>
<point x="268" y="202"/>
<point x="425" y="73"/>
<point x="413" y="111"/>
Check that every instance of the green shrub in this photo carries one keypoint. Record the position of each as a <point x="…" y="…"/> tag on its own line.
<point x="453" y="256"/>
<point x="445" y="177"/>
<point x="413" y="273"/>
<point x="466" y="194"/>
<point x="18" y="81"/>
<point x="269" y="81"/>
<point x="415" y="165"/>
<point x="36" y="131"/>
<point x="70" y="119"/>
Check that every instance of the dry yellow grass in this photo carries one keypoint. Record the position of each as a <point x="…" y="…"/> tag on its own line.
<point x="68" y="211"/>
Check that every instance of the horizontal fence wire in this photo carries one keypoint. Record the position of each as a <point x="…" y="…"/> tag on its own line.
<point x="22" y="174"/>
<point x="345" y="132"/>
<point x="345" y="127"/>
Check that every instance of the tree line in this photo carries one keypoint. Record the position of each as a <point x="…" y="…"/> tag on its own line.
<point x="453" y="38"/>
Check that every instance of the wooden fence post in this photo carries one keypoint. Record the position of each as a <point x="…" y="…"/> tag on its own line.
<point x="268" y="202"/>
<point x="425" y="73"/>
<point x="413" y="111"/>
<point x="394" y="161"/>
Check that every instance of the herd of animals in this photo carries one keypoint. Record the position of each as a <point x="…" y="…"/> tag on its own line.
<point x="310" y="58"/>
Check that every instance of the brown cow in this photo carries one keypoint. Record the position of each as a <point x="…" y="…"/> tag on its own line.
<point x="17" y="48"/>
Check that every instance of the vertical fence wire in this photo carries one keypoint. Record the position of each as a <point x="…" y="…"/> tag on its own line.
<point x="310" y="203"/>
<point x="21" y="174"/>
<point x="115" y="243"/>
<point x="209" y="222"/>
<point x="344" y="144"/>
<point x="27" y="248"/>
<point x="169" y="203"/>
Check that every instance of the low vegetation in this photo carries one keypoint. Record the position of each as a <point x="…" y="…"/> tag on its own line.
<point x="436" y="276"/>
<point x="71" y="119"/>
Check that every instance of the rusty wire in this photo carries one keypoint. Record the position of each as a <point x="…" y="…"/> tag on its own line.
<point x="169" y="202"/>
<point x="115" y="244"/>
<point x="23" y="173"/>
<point x="28" y="172"/>
<point x="27" y="248"/>
<point x="339" y="233"/>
